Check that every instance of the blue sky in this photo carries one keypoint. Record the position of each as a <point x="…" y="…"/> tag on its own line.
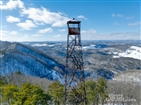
<point x="45" y="20"/>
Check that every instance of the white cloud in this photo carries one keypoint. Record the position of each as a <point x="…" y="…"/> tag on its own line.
<point x="7" y="33"/>
<point x="14" y="32"/>
<point x="39" y="23"/>
<point x="122" y="16"/>
<point x="123" y="36"/>
<point x="1" y="2"/>
<point x="46" y="30"/>
<point x="3" y="33"/>
<point x="57" y="36"/>
<point x="134" y="24"/>
<point x="45" y="16"/>
<point x="117" y="15"/>
<point x="129" y="17"/>
<point x="12" y="19"/>
<point x="61" y="30"/>
<point x="113" y="15"/>
<point x="37" y="35"/>
<point x="112" y="36"/>
<point x="26" y="36"/>
<point x="81" y="17"/>
<point x="27" y="25"/>
<point x="89" y="32"/>
<point x="12" y="4"/>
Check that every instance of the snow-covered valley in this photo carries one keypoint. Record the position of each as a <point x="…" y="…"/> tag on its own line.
<point x="47" y="59"/>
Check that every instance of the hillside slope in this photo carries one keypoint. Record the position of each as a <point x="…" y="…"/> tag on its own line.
<point x="30" y="61"/>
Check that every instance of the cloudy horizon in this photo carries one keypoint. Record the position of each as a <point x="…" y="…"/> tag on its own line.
<point x="30" y="20"/>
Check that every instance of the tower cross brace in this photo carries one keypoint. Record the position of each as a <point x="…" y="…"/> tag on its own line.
<point x="74" y="76"/>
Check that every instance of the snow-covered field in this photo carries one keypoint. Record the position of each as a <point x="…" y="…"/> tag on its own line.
<point x="132" y="52"/>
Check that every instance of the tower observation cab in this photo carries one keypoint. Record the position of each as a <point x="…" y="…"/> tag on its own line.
<point x="74" y="74"/>
<point x="73" y="27"/>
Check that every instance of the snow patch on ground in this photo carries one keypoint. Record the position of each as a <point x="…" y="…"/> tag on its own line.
<point x="132" y="52"/>
<point x="39" y="45"/>
<point x="50" y="45"/>
<point x="56" y="76"/>
<point x="89" y="47"/>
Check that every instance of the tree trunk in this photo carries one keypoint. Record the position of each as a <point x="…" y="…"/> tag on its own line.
<point x="93" y="103"/>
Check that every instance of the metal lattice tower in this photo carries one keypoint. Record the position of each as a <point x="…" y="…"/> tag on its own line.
<point x="74" y="76"/>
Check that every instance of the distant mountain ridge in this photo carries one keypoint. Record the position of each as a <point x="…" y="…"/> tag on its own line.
<point x="16" y="56"/>
<point x="47" y="59"/>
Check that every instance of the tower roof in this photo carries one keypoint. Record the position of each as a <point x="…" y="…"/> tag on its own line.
<point x="73" y="21"/>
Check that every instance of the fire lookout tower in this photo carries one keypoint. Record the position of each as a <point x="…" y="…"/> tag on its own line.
<point x="74" y="76"/>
